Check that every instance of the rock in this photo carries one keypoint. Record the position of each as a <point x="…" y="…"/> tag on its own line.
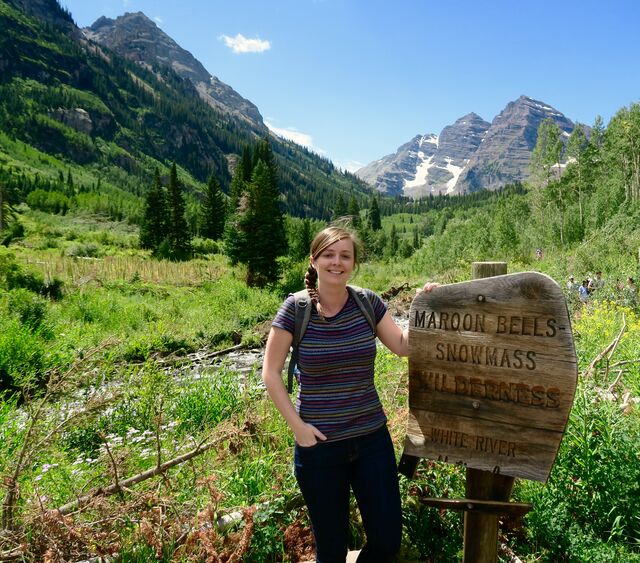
<point x="76" y="118"/>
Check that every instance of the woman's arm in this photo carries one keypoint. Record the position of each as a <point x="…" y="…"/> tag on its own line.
<point x="391" y="335"/>
<point x="275" y="354"/>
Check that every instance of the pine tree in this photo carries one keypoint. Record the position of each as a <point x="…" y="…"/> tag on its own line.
<point x="354" y="211"/>
<point x="394" y="241"/>
<point x="6" y="209"/>
<point x="255" y="233"/>
<point x="237" y="188"/>
<point x="266" y="238"/>
<point x="213" y="210"/>
<point x="340" y="209"/>
<point x="303" y="240"/>
<point x="154" y="220"/>
<point x="246" y="164"/>
<point x="416" y="238"/>
<point x="374" y="215"/>
<point x="178" y="235"/>
<point x="236" y="231"/>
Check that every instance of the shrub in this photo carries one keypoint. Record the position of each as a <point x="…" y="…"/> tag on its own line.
<point x="28" y="307"/>
<point x="207" y="401"/>
<point x="204" y="246"/>
<point x="592" y="494"/>
<point x="22" y="355"/>
<point x="13" y="276"/>
<point x="84" y="250"/>
<point x="13" y="232"/>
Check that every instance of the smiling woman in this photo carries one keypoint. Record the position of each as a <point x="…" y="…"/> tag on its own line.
<point x="342" y="441"/>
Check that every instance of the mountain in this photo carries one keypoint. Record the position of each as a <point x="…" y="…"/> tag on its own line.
<point x="469" y="155"/>
<point x="504" y="155"/>
<point x="67" y="102"/>
<point x="51" y="12"/>
<point x="428" y="163"/>
<point x="136" y="37"/>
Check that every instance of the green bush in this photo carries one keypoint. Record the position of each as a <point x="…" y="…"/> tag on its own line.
<point x="84" y="250"/>
<point x="23" y="358"/>
<point x="30" y="308"/>
<point x="207" y="401"/>
<point x="592" y="495"/>
<point x="431" y="535"/>
<point x="203" y="246"/>
<point x="13" y="276"/>
<point x="51" y="202"/>
<point x="14" y="231"/>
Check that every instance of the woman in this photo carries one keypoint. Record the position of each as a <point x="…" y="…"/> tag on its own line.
<point x="342" y="440"/>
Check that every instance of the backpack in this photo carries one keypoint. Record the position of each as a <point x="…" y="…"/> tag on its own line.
<point x="303" y="314"/>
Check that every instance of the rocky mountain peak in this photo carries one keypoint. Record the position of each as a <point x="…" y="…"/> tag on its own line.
<point x="503" y="157"/>
<point x="471" y="154"/>
<point x="428" y="164"/>
<point x="136" y="37"/>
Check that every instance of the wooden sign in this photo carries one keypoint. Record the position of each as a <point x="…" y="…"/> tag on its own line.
<point x="492" y="374"/>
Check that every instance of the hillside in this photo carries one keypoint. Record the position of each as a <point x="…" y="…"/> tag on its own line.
<point x="67" y="103"/>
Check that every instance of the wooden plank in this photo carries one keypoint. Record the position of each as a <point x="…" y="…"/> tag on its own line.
<point x="352" y="557"/>
<point x="503" y="449"/>
<point x="492" y="374"/>
<point x="509" y="509"/>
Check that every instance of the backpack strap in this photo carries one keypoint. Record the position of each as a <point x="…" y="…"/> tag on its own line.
<point x="360" y="297"/>
<point x="302" y="316"/>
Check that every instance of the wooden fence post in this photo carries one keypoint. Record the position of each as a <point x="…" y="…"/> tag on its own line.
<point x="481" y="529"/>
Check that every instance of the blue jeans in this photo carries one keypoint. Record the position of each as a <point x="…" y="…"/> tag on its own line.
<point x="366" y="464"/>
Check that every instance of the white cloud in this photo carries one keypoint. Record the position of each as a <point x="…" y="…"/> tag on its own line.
<point x="348" y="165"/>
<point x="242" y="44"/>
<point x="159" y="20"/>
<point x="293" y="135"/>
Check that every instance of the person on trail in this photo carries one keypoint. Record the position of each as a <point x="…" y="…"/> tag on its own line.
<point x="630" y="293"/>
<point x="572" y="285"/>
<point x="342" y="440"/>
<point x="583" y="291"/>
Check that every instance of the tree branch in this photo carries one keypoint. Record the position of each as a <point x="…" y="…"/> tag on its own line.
<point x="157" y="470"/>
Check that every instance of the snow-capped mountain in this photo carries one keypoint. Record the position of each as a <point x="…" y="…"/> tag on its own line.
<point x="467" y="156"/>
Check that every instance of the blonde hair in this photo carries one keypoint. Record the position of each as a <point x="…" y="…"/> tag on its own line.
<point x="323" y="240"/>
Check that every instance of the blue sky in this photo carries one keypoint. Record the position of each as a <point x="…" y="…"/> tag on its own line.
<point x="355" y="79"/>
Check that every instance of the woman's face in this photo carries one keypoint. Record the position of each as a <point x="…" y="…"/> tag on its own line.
<point x="335" y="263"/>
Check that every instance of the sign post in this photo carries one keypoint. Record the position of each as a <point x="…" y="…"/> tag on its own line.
<point x="492" y="376"/>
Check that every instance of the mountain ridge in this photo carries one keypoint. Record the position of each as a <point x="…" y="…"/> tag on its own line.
<point x="469" y="155"/>
<point x="86" y="105"/>
<point x="136" y="37"/>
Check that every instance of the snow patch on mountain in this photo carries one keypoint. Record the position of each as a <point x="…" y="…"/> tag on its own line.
<point x="422" y="171"/>
<point x="455" y="171"/>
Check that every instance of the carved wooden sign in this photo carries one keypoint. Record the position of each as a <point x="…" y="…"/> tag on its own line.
<point x="492" y="374"/>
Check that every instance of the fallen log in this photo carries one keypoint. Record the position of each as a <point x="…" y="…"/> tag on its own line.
<point x="125" y="483"/>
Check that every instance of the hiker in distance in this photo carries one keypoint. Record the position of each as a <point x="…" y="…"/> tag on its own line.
<point x="342" y="441"/>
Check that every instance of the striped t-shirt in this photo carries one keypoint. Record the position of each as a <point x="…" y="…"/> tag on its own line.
<point x="336" y="364"/>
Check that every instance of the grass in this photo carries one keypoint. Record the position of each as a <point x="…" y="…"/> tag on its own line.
<point x="129" y="407"/>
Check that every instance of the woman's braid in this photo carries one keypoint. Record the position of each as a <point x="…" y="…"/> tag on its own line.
<point x="310" y="282"/>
